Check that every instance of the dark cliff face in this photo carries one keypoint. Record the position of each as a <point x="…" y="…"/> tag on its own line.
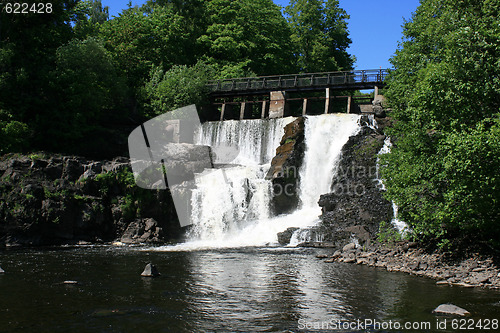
<point x="284" y="171"/>
<point x="50" y="200"/>
<point x="356" y="205"/>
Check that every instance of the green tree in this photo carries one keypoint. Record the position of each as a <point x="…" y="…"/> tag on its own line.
<point x="180" y="86"/>
<point x="86" y="91"/>
<point x="445" y="95"/>
<point x="319" y="35"/>
<point x="28" y="43"/>
<point x="252" y="35"/>
<point x="88" y="17"/>
<point x="139" y="42"/>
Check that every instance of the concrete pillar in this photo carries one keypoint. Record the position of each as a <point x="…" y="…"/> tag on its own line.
<point x="263" y="113"/>
<point x="222" y="111"/>
<point x="375" y="93"/>
<point x="242" y="110"/>
<point x="349" y="101"/>
<point x="277" y="104"/>
<point x="327" y="100"/>
<point x="304" y="107"/>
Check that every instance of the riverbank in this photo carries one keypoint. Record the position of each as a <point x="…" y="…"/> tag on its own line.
<point x="50" y="199"/>
<point x="408" y="257"/>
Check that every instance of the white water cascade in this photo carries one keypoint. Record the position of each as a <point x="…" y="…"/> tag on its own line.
<point x="401" y="226"/>
<point x="231" y="205"/>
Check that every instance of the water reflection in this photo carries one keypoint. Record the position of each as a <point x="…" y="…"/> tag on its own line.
<point x="253" y="289"/>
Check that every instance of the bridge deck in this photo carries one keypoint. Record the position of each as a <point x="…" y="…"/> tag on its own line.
<point x="347" y="80"/>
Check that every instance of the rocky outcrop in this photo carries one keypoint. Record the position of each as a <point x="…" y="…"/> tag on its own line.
<point x="285" y="236"/>
<point x="377" y="107"/>
<point x="142" y="231"/>
<point x="408" y="257"/>
<point x="284" y="171"/>
<point x="356" y="206"/>
<point x="51" y="199"/>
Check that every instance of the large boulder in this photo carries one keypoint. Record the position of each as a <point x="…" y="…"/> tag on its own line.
<point x="284" y="170"/>
<point x="377" y="108"/>
<point x="285" y="236"/>
<point x="142" y="231"/>
<point x="451" y="310"/>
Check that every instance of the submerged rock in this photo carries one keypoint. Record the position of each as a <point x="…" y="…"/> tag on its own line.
<point x="70" y="282"/>
<point x="1" y="270"/>
<point x="450" y="309"/>
<point x="150" y="271"/>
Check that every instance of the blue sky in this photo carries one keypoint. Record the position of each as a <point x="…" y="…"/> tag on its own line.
<point x="374" y="26"/>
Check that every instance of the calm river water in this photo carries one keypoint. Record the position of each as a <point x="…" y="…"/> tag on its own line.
<point x="233" y="290"/>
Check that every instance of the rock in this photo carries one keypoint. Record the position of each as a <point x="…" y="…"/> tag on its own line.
<point x="284" y="170"/>
<point x="322" y="256"/>
<point x="442" y="282"/>
<point x="412" y="245"/>
<point x="349" y="260"/>
<point x="142" y="231"/>
<point x="356" y="203"/>
<point x="183" y="160"/>
<point x="360" y="233"/>
<point x="349" y="247"/>
<point x="73" y="168"/>
<point x="480" y="278"/>
<point x="70" y="282"/>
<point x="463" y="285"/>
<point x="150" y="271"/>
<point x="1" y="270"/>
<point x="42" y="203"/>
<point x="450" y="309"/>
<point x="336" y="254"/>
<point x="378" y="109"/>
<point x="285" y="236"/>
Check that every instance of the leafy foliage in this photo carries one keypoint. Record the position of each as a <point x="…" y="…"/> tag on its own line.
<point x="177" y="87"/>
<point x="319" y="35"/>
<point x="445" y="95"/>
<point x="74" y="81"/>
<point x="252" y="33"/>
<point x="86" y="86"/>
<point x="89" y="15"/>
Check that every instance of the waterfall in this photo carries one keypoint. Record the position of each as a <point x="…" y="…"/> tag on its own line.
<point x="228" y="199"/>
<point x="401" y="226"/>
<point x="325" y="136"/>
<point x="231" y="204"/>
<point x="255" y="141"/>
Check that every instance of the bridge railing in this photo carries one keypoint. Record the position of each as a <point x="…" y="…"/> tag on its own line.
<point x="346" y="78"/>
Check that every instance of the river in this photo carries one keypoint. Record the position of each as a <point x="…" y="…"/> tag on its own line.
<point x="255" y="289"/>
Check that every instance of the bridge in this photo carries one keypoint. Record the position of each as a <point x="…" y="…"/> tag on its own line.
<point x="273" y="92"/>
